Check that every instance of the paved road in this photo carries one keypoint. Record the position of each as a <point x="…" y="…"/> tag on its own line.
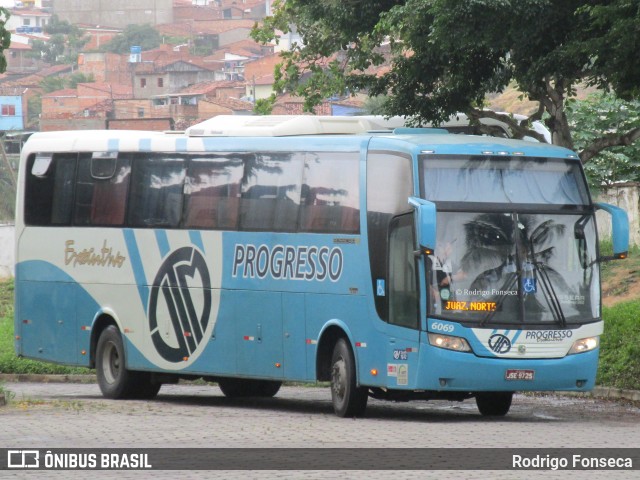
<point x="51" y="415"/>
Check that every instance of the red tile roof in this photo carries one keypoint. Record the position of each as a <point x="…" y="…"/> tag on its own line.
<point x="19" y="46"/>
<point x="205" y="27"/>
<point x="66" y="92"/>
<point x="113" y="90"/>
<point x="232" y="104"/>
<point x="204" y="88"/>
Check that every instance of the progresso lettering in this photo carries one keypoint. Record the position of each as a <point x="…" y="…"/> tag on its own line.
<point x="282" y="262"/>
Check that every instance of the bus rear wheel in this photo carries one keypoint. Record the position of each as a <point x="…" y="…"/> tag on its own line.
<point x="494" y="404"/>
<point x="114" y="379"/>
<point x="348" y="399"/>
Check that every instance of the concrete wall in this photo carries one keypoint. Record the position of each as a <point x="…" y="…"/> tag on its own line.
<point x="58" y="124"/>
<point x="7" y="254"/>
<point x="627" y="197"/>
<point x="114" y="13"/>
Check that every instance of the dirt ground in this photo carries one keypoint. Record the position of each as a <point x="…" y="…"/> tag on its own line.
<point x="621" y="281"/>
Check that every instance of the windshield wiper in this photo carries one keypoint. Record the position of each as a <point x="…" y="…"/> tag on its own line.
<point x="549" y="290"/>
<point x="508" y="285"/>
<point x="550" y="294"/>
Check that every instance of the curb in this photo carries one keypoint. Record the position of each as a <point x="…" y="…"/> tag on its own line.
<point x="40" y="378"/>
<point x="611" y="393"/>
<point x="606" y="393"/>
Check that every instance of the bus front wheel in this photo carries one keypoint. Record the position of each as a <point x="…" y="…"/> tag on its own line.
<point x="114" y="379"/>
<point x="494" y="404"/>
<point x="348" y="399"/>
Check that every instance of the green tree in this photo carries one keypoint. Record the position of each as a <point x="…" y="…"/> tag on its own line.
<point x="63" y="46"/>
<point x="144" y="36"/>
<point x="5" y="37"/>
<point x="604" y="112"/>
<point x="444" y="56"/>
<point x="74" y="79"/>
<point x="50" y="51"/>
<point x="264" y="106"/>
<point x="375" y="105"/>
<point x="51" y="84"/>
<point x="62" y="27"/>
<point x="34" y="109"/>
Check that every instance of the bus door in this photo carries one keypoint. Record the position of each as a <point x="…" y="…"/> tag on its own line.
<point x="45" y="336"/>
<point x="259" y="333"/>
<point x="403" y="301"/>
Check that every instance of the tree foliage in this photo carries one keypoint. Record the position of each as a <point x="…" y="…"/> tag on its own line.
<point x="433" y="58"/>
<point x="604" y="112"/>
<point x="264" y="106"/>
<point x="51" y="84"/>
<point x="144" y="36"/>
<point x="5" y="37"/>
<point x="63" y="45"/>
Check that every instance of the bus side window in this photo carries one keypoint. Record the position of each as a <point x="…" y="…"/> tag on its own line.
<point x="50" y="191"/>
<point x="102" y="201"/>
<point x="212" y="197"/>
<point x="157" y="185"/>
<point x="271" y="192"/>
<point x="330" y="193"/>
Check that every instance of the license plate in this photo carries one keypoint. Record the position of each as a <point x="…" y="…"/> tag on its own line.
<point x="519" y="375"/>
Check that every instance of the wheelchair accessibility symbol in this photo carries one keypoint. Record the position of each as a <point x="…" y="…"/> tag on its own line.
<point x="529" y="285"/>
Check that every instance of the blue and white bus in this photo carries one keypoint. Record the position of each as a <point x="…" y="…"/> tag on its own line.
<point x="402" y="265"/>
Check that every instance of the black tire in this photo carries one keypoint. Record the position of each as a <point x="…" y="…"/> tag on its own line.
<point x="348" y="399"/>
<point x="244" y="387"/>
<point x="267" y="388"/>
<point x="114" y="379"/>
<point x="145" y="389"/>
<point x="494" y="404"/>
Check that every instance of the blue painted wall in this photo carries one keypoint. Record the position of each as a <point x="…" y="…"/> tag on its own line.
<point x="12" y="122"/>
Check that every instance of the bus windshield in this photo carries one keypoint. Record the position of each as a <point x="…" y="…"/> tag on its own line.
<point x="503" y="180"/>
<point x="517" y="247"/>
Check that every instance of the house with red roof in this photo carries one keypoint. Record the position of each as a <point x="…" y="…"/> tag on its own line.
<point x="19" y="60"/>
<point x="86" y="106"/>
<point x="27" y="20"/>
<point x="210" y="34"/>
<point x="98" y="36"/>
<point x="259" y="76"/>
<point x="201" y="101"/>
<point x="156" y="78"/>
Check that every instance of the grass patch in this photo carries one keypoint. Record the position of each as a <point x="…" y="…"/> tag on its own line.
<point x="615" y="272"/>
<point x="620" y="350"/>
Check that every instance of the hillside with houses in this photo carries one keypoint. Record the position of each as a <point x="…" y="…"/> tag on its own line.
<point x="204" y="65"/>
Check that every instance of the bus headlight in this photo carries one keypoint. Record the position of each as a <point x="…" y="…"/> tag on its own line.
<point x="585" y="345"/>
<point x="448" y="342"/>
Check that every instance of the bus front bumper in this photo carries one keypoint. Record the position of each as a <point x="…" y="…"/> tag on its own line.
<point x="445" y="370"/>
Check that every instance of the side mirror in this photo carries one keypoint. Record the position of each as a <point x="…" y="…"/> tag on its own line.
<point x="425" y="224"/>
<point x="619" y="229"/>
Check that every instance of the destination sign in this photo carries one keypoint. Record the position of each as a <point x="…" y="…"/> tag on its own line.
<point x="471" y="306"/>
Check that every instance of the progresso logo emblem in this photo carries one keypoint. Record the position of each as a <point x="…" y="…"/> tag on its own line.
<point x="499" y="343"/>
<point x="181" y="291"/>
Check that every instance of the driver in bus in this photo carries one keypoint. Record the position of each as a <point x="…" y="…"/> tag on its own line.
<point x="442" y="267"/>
